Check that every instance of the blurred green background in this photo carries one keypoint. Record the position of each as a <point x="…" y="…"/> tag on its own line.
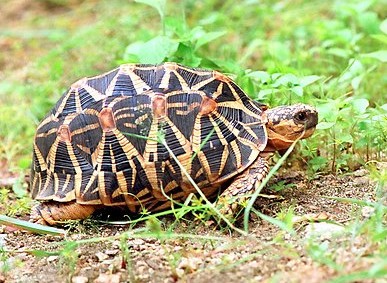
<point x="331" y="54"/>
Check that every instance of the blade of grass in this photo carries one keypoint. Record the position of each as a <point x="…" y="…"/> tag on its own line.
<point x="29" y="226"/>
<point x="199" y="191"/>
<point x="264" y="182"/>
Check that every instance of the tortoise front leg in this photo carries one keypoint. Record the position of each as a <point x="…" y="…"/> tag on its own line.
<point x="229" y="202"/>
<point x="51" y="213"/>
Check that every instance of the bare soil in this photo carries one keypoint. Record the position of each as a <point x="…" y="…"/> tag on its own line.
<point x="266" y="255"/>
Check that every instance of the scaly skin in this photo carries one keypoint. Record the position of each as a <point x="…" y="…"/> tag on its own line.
<point x="242" y="187"/>
<point x="52" y="213"/>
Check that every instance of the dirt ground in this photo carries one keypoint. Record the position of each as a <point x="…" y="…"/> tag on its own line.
<point x="266" y="255"/>
<point x="317" y="252"/>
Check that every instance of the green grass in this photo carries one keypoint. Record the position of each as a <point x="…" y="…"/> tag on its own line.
<point x="331" y="54"/>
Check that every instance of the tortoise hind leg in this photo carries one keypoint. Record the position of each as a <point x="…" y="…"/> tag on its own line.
<point x="240" y="190"/>
<point x="51" y="213"/>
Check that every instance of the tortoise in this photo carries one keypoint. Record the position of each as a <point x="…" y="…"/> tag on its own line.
<point x="100" y="145"/>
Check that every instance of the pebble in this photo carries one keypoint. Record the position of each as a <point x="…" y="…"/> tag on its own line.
<point x="52" y="258"/>
<point x="101" y="256"/>
<point x="323" y="231"/>
<point x="108" y="278"/>
<point x="360" y="173"/>
<point x="367" y="211"/>
<point x="190" y="264"/>
<point x="79" y="279"/>
<point x="2" y="239"/>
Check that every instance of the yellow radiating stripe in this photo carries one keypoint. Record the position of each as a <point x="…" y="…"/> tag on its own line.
<point x="129" y="150"/>
<point x="89" y="111"/>
<point x="101" y="188"/>
<point x="78" y="106"/>
<point x="141" y="118"/>
<point x="124" y="189"/>
<point x="49" y="119"/>
<point x="206" y="165"/>
<point x="74" y="161"/>
<point x="237" y="153"/>
<point x="52" y="154"/>
<point x="88" y="190"/>
<point x="165" y="80"/>
<point x="95" y="94"/>
<point x="39" y="158"/>
<point x="123" y="116"/>
<point x="45" y="186"/>
<point x="64" y="101"/>
<point x="111" y="86"/>
<point x="130" y="125"/>
<point x="226" y="122"/>
<point x="151" y="143"/>
<point x="182" y="81"/>
<point x="98" y="154"/>
<point x="142" y="193"/>
<point x="85" y="129"/>
<point x="138" y="83"/>
<point x="218" y="131"/>
<point x="196" y="71"/>
<point x="50" y="132"/>
<point x="246" y="111"/>
<point x="202" y="83"/>
<point x="113" y="159"/>
<point x="67" y="182"/>
<point x="56" y="183"/>
<point x="223" y="160"/>
<point x="170" y="186"/>
<point x="218" y="92"/>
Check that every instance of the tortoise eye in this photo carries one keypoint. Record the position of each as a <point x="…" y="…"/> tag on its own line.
<point x="301" y="116"/>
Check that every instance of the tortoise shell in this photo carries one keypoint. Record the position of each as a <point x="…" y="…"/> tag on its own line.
<point x="100" y="143"/>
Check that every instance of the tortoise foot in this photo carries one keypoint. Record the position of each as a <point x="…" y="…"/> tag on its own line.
<point x="52" y="213"/>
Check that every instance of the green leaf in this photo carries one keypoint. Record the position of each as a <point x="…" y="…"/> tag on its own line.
<point x="18" y="188"/>
<point x="308" y="80"/>
<point x="325" y="125"/>
<point x="345" y="138"/>
<point x="208" y="37"/>
<point x="383" y="26"/>
<point x="287" y="80"/>
<point x="260" y="76"/>
<point x="360" y="105"/>
<point x="380" y="55"/>
<point x="298" y="90"/>
<point x="153" y="51"/>
<point x="159" y="5"/>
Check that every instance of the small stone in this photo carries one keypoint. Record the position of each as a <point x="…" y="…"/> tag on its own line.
<point x="190" y="264"/>
<point x="79" y="279"/>
<point x="108" y="278"/>
<point x="367" y="211"/>
<point x="323" y="231"/>
<point x="101" y="256"/>
<point x="52" y="258"/>
<point x="360" y="173"/>
<point x="2" y="239"/>
<point x="111" y="252"/>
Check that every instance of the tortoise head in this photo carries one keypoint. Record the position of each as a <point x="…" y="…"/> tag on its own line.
<point x="288" y="123"/>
